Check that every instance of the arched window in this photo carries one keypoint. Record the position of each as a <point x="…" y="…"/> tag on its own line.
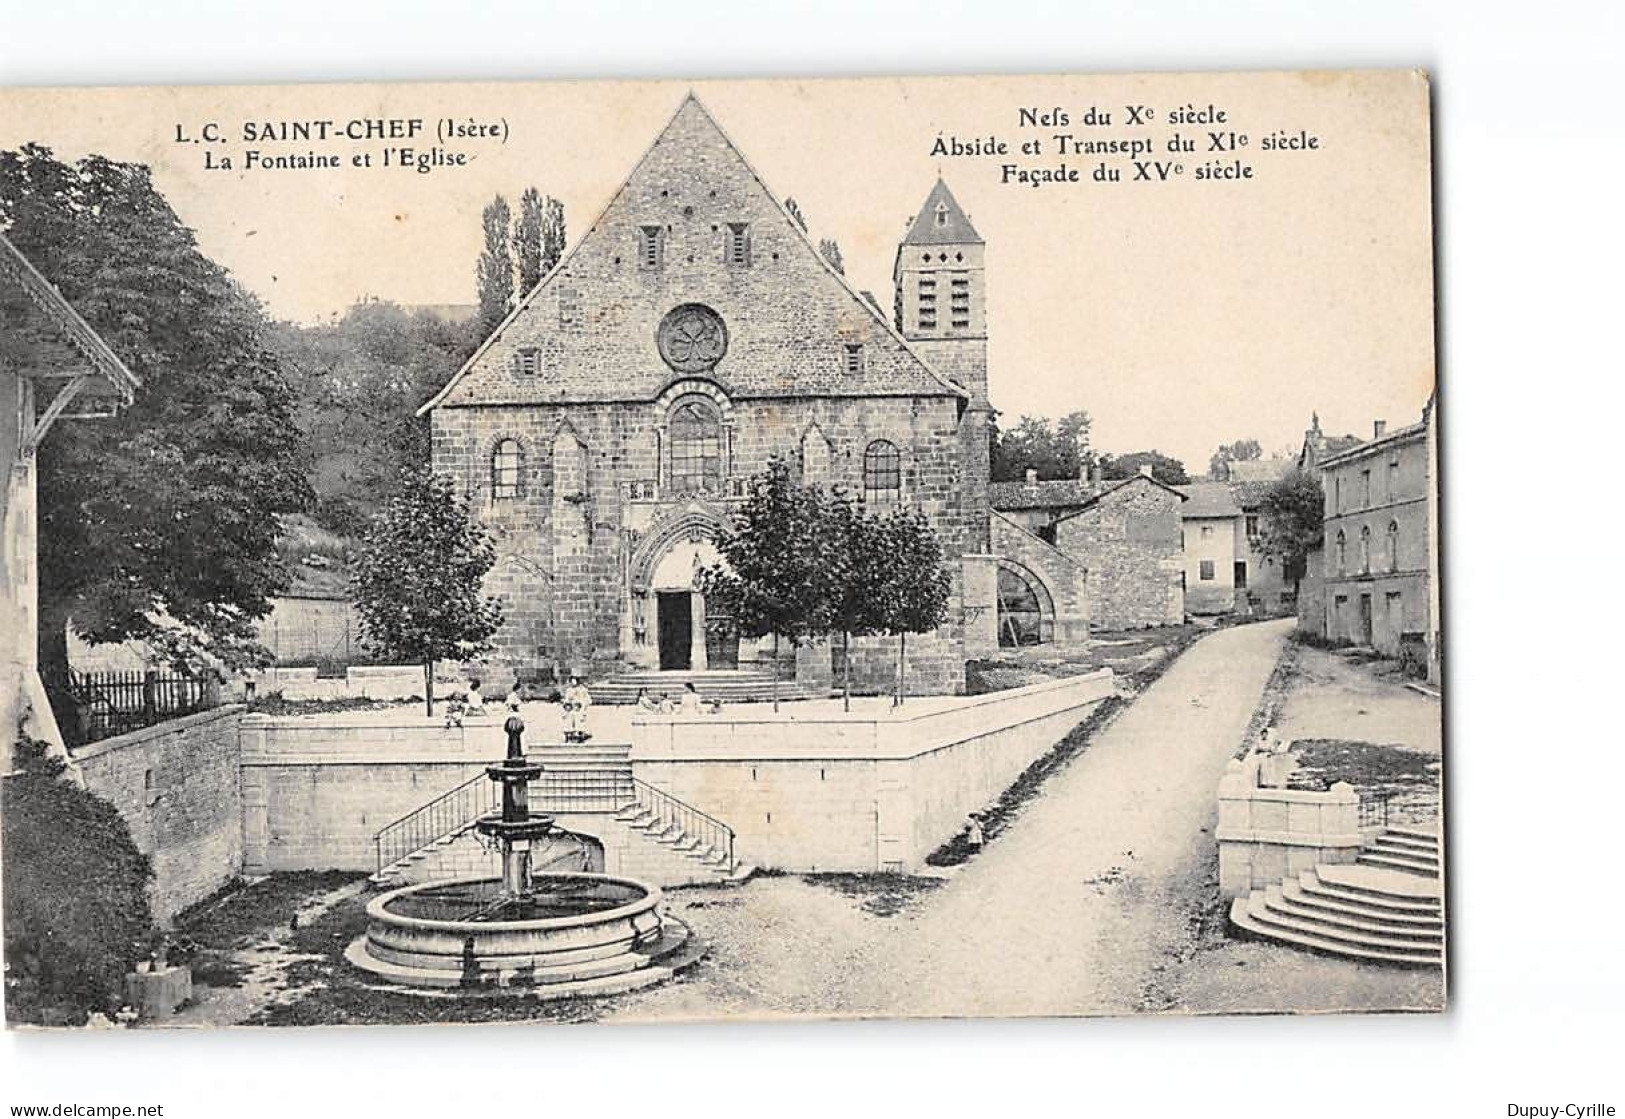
<point x="696" y="447"/>
<point x="1393" y="545"/>
<point x="507" y="463"/>
<point x="882" y="474"/>
<point x="1021" y="616"/>
<point x="1342" y="552"/>
<point x="1365" y="550"/>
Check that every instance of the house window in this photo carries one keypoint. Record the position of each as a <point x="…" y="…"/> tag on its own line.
<point x="1365" y="488"/>
<point x="1252" y="526"/>
<point x="1204" y="571"/>
<point x="1393" y="477"/>
<point x="696" y="447"/>
<point x="1393" y="545"/>
<point x="854" y="358"/>
<point x="506" y="463"/>
<point x="1365" y="550"/>
<point x="1337" y="494"/>
<point x="528" y="361"/>
<point x="1241" y="573"/>
<point x="650" y="244"/>
<point x="1342" y="552"/>
<point x="882" y="473"/>
<point x="738" y="253"/>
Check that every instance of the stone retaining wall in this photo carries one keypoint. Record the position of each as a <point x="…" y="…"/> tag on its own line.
<point x="1267" y="835"/>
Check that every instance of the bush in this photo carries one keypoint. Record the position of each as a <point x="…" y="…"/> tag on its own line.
<point x="76" y="914"/>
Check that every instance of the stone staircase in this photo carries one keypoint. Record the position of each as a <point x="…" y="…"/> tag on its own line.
<point x="1386" y="907"/>
<point x="703" y="861"/>
<point x="742" y="686"/>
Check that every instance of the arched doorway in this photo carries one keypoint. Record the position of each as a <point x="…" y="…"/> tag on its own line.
<point x="1025" y="616"/>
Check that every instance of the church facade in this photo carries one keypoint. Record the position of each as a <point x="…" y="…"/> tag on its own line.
<point x="606" y="430"/>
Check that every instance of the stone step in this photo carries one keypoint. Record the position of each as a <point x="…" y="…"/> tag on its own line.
<point x="1280" y="902"/>
<point x="1260" y="909"/>
<point x="1409" y="843"/>
<point x="1346" y="905"/>
<point x="1379" y="882"/>
<point x="1257" y="922"/>
<point x="1429" y="835"/>
<point x="1381" y="848"/>
<point x="1398" y="863"/>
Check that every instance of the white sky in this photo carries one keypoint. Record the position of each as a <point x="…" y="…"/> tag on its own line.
<point x="1180" y="316"/>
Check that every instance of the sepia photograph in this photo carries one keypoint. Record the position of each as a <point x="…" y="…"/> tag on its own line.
<point x="633" y="551"/>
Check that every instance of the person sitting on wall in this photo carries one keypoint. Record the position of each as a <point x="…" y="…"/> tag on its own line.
<point x="576" y="701"/>
<point x="691" y="699"/>
<point x="667" y="707"/>
<point x="647" y="702"/>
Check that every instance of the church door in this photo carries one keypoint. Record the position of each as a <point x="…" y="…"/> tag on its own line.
<point x="675" y="619"/>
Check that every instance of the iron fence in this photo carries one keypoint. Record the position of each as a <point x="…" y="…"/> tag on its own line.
<point x="105" y="704"/>
<point x="1373" y="810"/>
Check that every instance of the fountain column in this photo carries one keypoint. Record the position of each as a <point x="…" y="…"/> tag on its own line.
<point x="516" y="828"/>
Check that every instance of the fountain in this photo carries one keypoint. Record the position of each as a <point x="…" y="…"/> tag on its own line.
<point x="554" y="935"/>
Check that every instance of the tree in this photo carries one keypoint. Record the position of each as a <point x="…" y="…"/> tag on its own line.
<point x="794" y="211"/>
<point x="914" y="593"/>
<point x="168" y="514"/>
<point x="1291" y="522"/>
<point x="1056" y="449"/>
<point x="527" y="240"/>
<point x="495" y="269"/>
<point x="1242" y="450"/>
<point x="553" y="234"/>
<point x="417" y="579"/>
<point x="76" y="912"/>
<point x="781" y="568"/>
<point x="830" y="251"/>
<point x="1164" y="468"/>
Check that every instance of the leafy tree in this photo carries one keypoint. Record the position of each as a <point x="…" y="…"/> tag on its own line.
<point x="782" y="566"/>
<point x="168" y="513"/>
<point x="1164" y="468"/>
<point x="527" y="240"/>
<point x="794" y="210"/>
<point x="417" y="579"/>
<point x="914" y="591"/>
<point x="831" y="251"/>
<point x="75" y="888"/>
<point x="1056" y="449"/>
<point x="1242" y="450"/>
<point x="495" y="269"/>
<point x="553" y="234"/>
<point x="1291" y="519"/>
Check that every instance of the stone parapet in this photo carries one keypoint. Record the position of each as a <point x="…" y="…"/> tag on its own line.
<point x="1267" y="835"/>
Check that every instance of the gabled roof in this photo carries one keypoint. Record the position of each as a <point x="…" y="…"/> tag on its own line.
<point x="594" y="318"/>
<point x="942" y="221"/>
<point x="1208" y="499"/>
<point x="66" y="324"/>
<point x="1061" y="493"/>
<point x="1112" y="488"/>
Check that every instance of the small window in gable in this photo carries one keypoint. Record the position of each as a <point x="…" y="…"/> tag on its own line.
<point x="942" y="214"/>
<point x="854" y="358"/>
<point x="650" y="244"/>
<point x="738" y="250"/>
<point x="527" y="360"/>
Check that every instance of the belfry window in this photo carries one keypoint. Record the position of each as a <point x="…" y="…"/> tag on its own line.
<point x="854" y="358"/>
<point x="696" y="447"/>
<point x="882" y="474"/>
<point x="507" y="463"/>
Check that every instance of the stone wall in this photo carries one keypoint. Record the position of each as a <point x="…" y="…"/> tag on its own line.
<point x="1130" y="542"/>
<point x="1063" y="576"/>
<point x="176" y="785"/>
<point x="1267" y="835"/>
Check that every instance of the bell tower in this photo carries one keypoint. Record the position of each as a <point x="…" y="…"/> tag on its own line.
<point x="940" y="302"/>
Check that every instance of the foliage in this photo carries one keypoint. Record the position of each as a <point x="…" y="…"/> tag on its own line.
<point x="418" y="577"/>
<point x="1290" y="521"/>
<point x="1164" y="468"/>
<point x="76" y="914"/>
<point x="1056" y="449"/>
<point x="359" y="381"/>
<point x="494" y="272"/>
<point x="527" y="240"/>
<point x="167" y="514"/>
<point x="553" y="234"/>
<point x="914" y="591"/>
<point x="831" y="251"/>
<point x="794" y="210"/>
<point x="1242" y="450"/>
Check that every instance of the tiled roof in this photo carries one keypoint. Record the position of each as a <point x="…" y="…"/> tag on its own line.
<point x="954" y="228"/>
<point x="1208" y="499"/>
<point x="1061" y="494"/>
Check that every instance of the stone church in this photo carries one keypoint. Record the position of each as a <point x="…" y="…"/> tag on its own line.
<point x="606" y="430"/>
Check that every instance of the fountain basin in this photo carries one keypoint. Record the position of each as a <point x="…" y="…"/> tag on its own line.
<point x="571" y="934"/>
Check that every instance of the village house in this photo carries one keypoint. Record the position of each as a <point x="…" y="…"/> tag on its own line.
<point x="1378" y="553"/>
<point x="608" y="428"/>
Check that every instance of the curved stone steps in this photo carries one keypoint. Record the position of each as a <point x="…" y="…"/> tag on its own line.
<point x="1354" y="910"/>
<point x="1283" y="903"/>
<point x="1253" y="915"/>
<point x="1349" y="905"/>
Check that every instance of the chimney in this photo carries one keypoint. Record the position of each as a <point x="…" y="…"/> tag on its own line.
<point x="1378" y="427"/>
<point x="1032" y="476"/>
<point x="1145" y="468"/>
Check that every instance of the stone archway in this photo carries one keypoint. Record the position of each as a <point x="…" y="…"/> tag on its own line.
<point x="1026" y="607"/>
<point x="668" y="624"/>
